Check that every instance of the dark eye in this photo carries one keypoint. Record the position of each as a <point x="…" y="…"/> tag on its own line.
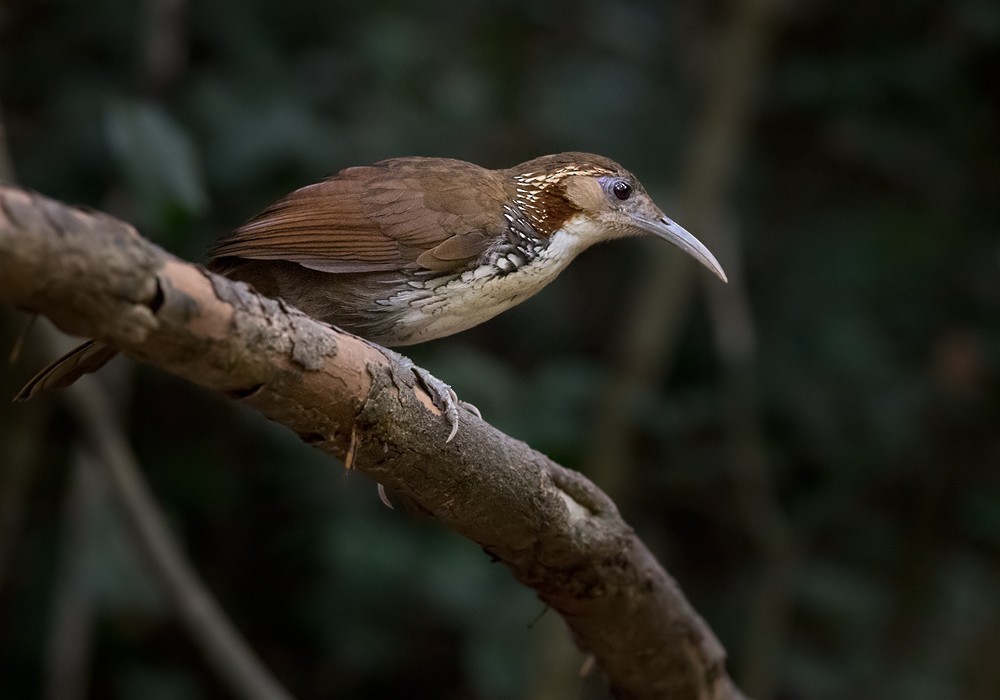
<point x="622" y="190"/>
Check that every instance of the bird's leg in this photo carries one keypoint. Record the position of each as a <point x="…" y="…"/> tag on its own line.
<point x="442" y="395"/>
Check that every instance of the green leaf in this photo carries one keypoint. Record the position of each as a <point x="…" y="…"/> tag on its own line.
<point x="157" y="160"/>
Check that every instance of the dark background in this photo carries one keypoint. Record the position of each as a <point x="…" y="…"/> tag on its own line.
<point x="813" y="451"/>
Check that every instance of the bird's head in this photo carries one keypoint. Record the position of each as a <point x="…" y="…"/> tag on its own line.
<point x="596" y="199"/>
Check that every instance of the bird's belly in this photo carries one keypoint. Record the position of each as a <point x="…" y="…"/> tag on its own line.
<point x="475" y="296"/>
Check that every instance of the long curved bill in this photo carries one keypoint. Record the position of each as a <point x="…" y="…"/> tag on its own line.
<point x="674" y="233"/>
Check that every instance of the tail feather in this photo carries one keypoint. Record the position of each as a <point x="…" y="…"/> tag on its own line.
<point x="83" y="359"/>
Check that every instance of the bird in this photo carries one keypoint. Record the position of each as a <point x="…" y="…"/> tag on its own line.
<point x="412" y="249"/>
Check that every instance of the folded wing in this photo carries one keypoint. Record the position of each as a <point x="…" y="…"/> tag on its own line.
<point x="405" y="213"/>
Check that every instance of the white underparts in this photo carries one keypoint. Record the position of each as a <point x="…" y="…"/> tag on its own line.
<point x="444" y="306"/>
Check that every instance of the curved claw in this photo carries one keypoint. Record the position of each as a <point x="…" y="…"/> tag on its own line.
<point x="470" y="408"/>
<point x="445" y="398"/>
<point x="384" y="498"/>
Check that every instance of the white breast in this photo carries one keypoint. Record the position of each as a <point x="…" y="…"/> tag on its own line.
<point x="478" y="295"/>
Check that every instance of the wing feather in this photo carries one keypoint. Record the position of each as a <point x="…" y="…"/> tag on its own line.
<point x="403" y="213"/>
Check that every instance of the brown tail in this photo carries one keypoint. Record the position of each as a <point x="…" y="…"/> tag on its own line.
<point x="81" y="360"/>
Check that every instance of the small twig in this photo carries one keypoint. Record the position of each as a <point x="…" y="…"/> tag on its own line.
<point x="219" y="641"/>
<point x="163" y="43"/>
<point x="71" y="629"/>
<point x="750" y="30"/>
<point x="223" y="647"/>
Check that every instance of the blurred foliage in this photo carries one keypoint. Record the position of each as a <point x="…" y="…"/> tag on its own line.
<point x="867" y="208"/>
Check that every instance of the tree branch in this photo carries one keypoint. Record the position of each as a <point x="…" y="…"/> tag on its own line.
<point x="94" y="275"/>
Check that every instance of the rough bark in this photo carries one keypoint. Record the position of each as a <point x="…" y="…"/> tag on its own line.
<point x="95" y="276"/>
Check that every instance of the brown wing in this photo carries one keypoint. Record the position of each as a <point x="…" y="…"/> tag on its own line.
<point x="432" y="213"/>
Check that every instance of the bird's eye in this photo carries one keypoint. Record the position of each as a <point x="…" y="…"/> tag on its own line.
<point x="622" y="190"/>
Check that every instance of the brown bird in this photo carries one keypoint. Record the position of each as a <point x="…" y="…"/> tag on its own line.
<point x="412" y="249"/>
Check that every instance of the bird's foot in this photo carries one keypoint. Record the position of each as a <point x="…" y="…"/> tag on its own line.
<point x="444" y="397"/>
<point x="441" y="394"/>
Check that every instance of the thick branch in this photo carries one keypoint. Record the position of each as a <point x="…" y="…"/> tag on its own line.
<point x="95" y="276"/>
